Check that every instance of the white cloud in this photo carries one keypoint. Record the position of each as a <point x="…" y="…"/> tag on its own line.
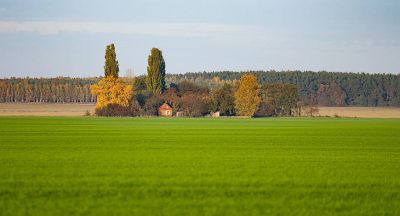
<point x="156" y="29"/>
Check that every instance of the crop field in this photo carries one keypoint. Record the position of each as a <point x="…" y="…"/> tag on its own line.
<point x="46" y="109"/>
<point x="177" y="166"/>
<point x="77" y="109"/>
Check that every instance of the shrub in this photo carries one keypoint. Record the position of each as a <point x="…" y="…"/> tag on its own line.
<point x="87" y="113"/>
<point x="152" y="104"/>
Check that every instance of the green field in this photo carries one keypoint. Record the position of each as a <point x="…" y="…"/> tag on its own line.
<point x="159" y="166"/>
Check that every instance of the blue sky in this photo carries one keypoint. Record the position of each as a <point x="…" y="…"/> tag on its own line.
<point x="68" y="38"/>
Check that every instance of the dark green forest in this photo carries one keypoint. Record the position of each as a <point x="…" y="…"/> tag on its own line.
<point x="322" y="88"/>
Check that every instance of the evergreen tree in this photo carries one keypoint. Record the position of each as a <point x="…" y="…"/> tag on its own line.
<point x="155" y="79"/>
<point x="111" y="67"/>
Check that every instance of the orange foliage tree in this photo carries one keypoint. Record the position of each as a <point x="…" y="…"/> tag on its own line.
<point x="247" y="96"/>
<point x="112" y="91"/>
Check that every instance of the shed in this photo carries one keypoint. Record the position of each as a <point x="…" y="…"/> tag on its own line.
<point x="180" y="114"/>
<point x="215" y="114"/>
<point x="165" y="110"/>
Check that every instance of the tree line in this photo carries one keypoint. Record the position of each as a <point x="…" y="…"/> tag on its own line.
<point x="313" y="88"/>
<point x="47" y="90"/>
<point x="322" y="88"/>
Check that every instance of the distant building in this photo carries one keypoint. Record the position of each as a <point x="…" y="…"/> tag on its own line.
<point x="165" y="110"/>
<point x="215" y="114"/>
<point x="180" y="114"/>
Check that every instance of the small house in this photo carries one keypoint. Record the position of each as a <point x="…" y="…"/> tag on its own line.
<point x="180" y="114"/>
<point x="215" y="114"/>
<point x="165" y="110"/>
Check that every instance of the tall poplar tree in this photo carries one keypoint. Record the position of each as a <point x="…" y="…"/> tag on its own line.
<point x="111" y="67"/>
<point x="155" y="79"/>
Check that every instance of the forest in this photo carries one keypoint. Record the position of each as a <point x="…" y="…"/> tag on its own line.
<point x="322" y="88"/>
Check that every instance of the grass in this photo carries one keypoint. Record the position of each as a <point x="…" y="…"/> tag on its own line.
<point x="160" y="166"/>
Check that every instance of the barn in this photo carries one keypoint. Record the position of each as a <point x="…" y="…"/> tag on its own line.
<point x="165" y="110"/>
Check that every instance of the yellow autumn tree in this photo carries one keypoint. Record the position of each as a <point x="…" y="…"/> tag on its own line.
<point x="247" y="95"/>
<point x="112" y="90"/>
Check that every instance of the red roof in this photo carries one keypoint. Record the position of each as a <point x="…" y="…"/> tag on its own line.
<point x="165" y="106"/>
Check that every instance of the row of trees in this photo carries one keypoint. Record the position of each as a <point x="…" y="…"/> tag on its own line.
<point x="322" y="88"/>
<point x="47" y="90"/>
